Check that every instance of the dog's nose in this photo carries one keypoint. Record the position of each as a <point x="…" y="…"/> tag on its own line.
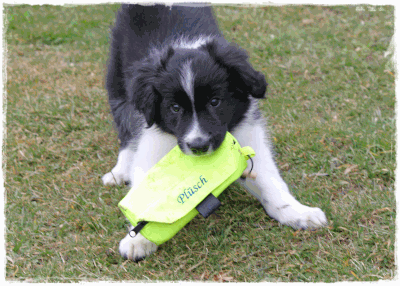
<point x="199" y="146"/>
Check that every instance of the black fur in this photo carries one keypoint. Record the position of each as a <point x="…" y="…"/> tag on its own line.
<point x="145" y="67"/>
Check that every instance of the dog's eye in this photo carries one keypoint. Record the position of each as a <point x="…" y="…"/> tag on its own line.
<point x="215" y="102"/>
<point x="175" y="108"/>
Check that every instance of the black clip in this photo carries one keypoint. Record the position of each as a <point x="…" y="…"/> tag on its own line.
<point x="137" y="229"/>
<point x="209" y="205"/>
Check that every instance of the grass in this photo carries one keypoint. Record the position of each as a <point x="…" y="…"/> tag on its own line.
<point x="330" y="108"/>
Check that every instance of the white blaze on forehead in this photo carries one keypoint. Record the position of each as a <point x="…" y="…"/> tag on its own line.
<point x="195" y="131"/>
<point x="187" y="80"/>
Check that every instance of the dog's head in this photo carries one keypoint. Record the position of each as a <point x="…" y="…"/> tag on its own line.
<point x="195" y="94"/>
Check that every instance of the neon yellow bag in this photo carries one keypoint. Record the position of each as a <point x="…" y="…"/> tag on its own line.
<point x="178" y="187"/>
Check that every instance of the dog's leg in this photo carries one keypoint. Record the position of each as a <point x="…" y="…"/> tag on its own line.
<point x="152" y="147"/>
<point x="270" y="189"/>
<point x="120" y="173"/>
<point x="138" y="247"/>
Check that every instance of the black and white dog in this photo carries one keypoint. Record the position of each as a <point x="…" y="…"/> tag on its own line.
<point x="173" y="79"/>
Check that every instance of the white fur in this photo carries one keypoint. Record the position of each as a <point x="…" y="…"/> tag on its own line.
<point x="185" y="43"/>
<point x="137" y="247"/>
<point x="194" y="133"/>
<point x="120" y="173"/>
<point x="132" y="166"/>
<point x="187" y="79"/>
<point x="154" y="144"/>
<point x="269" y="188"/>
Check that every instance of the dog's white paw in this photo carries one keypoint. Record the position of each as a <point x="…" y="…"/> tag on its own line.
<point x="112" y="179"/>
<point x="300" y="216"/>
<point x="136" y="248"/>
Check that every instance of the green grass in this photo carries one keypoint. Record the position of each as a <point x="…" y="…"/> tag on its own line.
<point x="330" y="108"/>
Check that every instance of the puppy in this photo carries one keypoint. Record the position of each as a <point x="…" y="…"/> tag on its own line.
<point x="174" y="80"/>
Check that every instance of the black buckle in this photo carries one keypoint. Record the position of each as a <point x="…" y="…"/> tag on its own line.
<point x="208" y="206"/>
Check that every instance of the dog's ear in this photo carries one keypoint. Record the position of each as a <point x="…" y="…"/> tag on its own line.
<point x="142" y="91"/>
<point x="235" y="60"/>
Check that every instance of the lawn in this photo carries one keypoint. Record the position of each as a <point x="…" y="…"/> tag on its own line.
<point x="331" y="113"/>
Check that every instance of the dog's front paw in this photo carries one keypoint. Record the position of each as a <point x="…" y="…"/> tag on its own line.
<point x="112" y="179"/>
<point x="300" y="216"/>
<point x="136" y="248"/>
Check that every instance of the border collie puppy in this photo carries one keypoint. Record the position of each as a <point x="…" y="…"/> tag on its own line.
<point x="174" y="80"/>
